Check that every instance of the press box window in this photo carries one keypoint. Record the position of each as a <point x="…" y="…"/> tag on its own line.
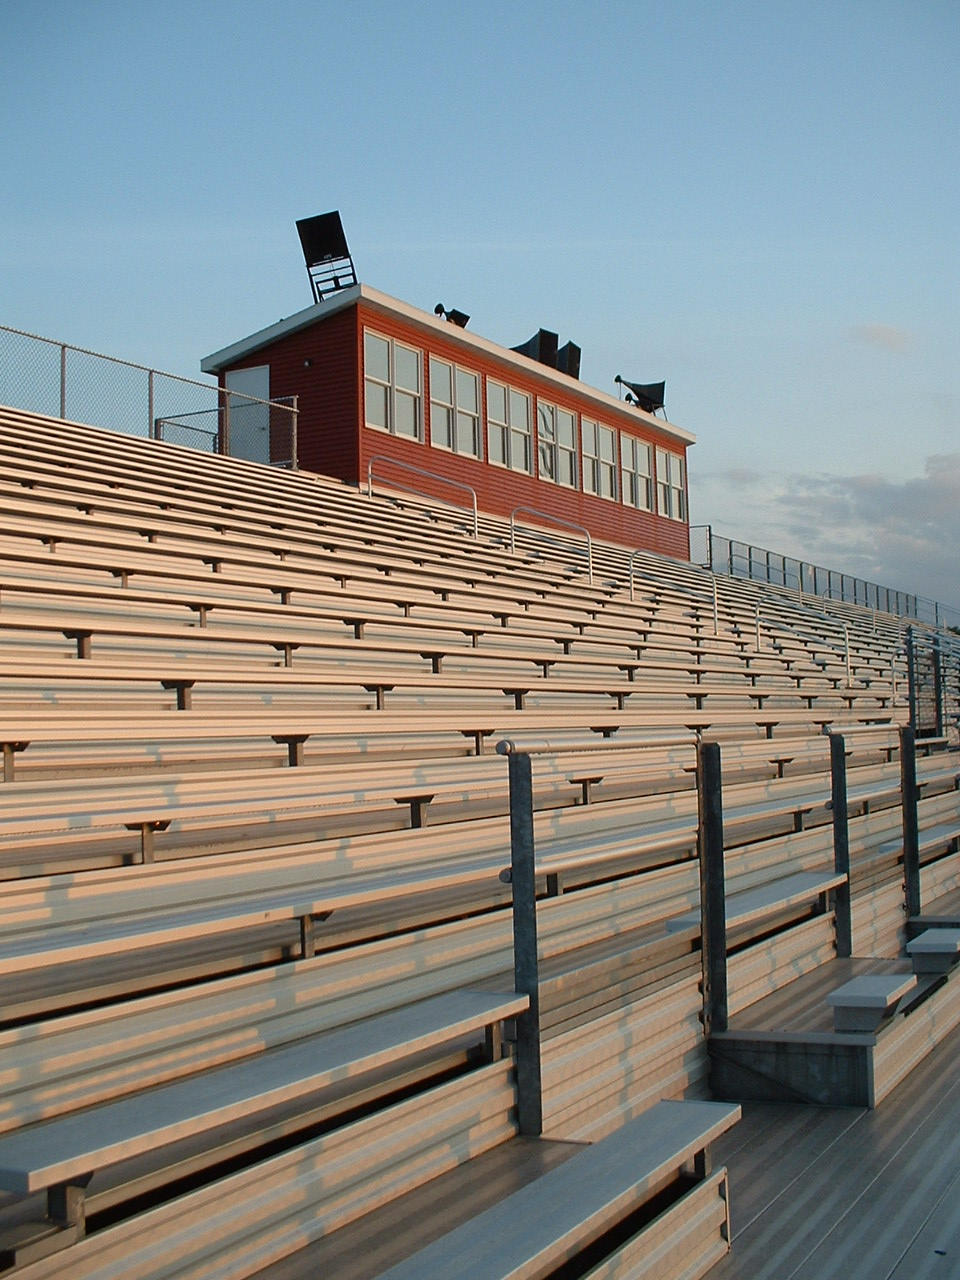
<point x="671" y="492"/>
<point x="454" y="408"/>
<point x="636" y="485"/>
<point x="392" y="393"/>
<point x="509" y="429"/>
<point x="557" y="445"/>
<point x="599" y="459"/>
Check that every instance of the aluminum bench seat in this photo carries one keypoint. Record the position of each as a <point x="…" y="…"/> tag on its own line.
<point x="548" y="1222"/>
<point x="59" y="1155"/>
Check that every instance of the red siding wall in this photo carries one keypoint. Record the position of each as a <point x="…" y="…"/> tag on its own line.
<point x="320" y="365"/>
<point x="499" y="490"/>
<point x="323" y="365"/>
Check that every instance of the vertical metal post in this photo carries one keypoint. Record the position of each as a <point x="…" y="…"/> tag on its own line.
<point x="841" y="843"/>
<point x="294" y="426"/>
<point x="846" y="651"/>
<point x="911" y="678"/>
<point x="713" y="910"/>
<point x="225" y="423"/>
<point x="525" y="955"/>
<point x="758" y="628"/>
<point x="938" y="685"/>
<point x="716" y="609"/>
<point x="63" y="380"/>
<point x="911" y="827"/>
<point x="151" y="421"/>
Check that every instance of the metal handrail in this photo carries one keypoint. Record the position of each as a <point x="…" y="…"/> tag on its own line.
<point x="431" y="475"/>
<point x="567" y="524"/>
<point x="900" y="603"/>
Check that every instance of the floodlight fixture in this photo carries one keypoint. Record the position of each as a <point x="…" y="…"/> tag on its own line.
<point x="325" y="251"/>
<point x="647" y="396"/>
<point x="459" y="318"/>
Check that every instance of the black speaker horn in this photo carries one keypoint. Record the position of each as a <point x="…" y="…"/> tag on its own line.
<point x="646" y="395"/>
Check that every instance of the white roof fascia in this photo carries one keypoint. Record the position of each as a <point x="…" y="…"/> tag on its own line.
<point x="263" y="337"/>
<point x="451" y="333"/>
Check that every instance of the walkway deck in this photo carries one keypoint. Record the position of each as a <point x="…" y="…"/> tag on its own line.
<point x="818" y="1193"/>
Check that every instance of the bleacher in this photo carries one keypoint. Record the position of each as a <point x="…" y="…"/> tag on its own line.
<point x="264" y="1008"/>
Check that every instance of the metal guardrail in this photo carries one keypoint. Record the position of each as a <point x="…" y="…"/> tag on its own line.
<point x="566" y="524"/>
<point x="737" y="559"/>
<point x="41" y="375"/>
<point x="430" y="475"/>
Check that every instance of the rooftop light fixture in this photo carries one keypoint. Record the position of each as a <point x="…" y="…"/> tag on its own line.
<point x="459" y="318"/>
<point x="329" y="264"/>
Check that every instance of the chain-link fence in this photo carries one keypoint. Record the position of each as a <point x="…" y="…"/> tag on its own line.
<point x="54" y="378"/>
<point x="743" y="560"/>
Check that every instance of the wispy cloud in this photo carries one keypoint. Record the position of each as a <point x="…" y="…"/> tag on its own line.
<point x="903" y="534"/>
<point x="886" y="337"/>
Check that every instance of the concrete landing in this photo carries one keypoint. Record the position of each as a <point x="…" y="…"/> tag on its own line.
<point x="784" y="1048"/>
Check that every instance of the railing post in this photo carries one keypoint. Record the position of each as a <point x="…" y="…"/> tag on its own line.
<point x="525" y="954"/>
<point x="225" y="423"/>
<point x="911" y="827"/>
<point x="911" y="678"/>
<point x="716" y="608"/>
<point x="846" y="651"/>
<point x="938" y="685"/>
<point x="63" y="380"/>
<point x="151" y="423"/>
<point x="294" y="427"/>
<point x="713" y="910"/>
<point x="841" y="843"/>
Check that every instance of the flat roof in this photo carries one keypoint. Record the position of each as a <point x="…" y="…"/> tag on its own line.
<point x="471" y="342"/>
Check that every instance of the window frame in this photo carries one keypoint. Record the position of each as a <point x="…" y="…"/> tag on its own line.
<point x="671" y="485"/>
<point x="508" y="430"/>
<point x="395" y="391"/>
<point x="453" y="407"/>
<point x="632" y="477"/>
<point x="564" y="456"/>
<point x="594" y="465"/>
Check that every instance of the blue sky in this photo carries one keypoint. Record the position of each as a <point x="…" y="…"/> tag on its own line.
<point x="757" y="202"/>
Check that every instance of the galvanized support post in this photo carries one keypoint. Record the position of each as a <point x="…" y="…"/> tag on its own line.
<point x="716" y="609"/>
<point x="225" y="423"/>
<point x="846" y="651"/>
<point x="841" y="843"/>
<point x="63" y="381"/>
<point x="151" y="421"/>
<point x="938" y="685"/>
<point x="294" y="427"/>
<point x="525" y="955"/>
<point x="911" y="827"/>
<point x="911" y="678"/>
<point x="713" y="911"/>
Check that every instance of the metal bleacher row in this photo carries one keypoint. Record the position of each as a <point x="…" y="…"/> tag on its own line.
<point x="263" y="1010"/>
